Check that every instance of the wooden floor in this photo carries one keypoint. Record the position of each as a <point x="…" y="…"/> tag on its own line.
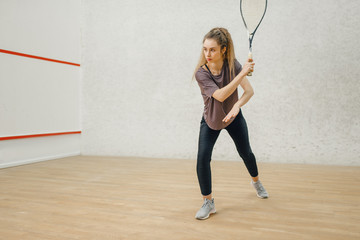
<point x="133" y="198"/>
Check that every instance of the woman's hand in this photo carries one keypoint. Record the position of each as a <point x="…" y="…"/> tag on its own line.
<point x="232" y="114"/>
<point x="248" y="66"/>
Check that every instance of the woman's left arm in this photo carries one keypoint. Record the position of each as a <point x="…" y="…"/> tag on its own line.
<point x="248" y="93"/>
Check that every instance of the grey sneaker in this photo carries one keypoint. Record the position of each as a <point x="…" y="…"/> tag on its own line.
<point x="260" y="190"/>
<point x="207" y="208"/>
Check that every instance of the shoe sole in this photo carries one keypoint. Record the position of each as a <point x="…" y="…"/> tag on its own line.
<point x="206" y="217"/>
<point x="261" y="196"/>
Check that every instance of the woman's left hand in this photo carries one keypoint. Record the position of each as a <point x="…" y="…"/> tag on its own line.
<point x="232" y="114"/>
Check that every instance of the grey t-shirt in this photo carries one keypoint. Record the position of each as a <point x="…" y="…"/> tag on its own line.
<point x="215" y="111"/>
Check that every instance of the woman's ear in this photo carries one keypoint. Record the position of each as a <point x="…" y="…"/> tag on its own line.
<point x="224" y="50"/>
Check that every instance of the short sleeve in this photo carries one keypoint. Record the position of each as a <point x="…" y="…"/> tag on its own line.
<point x="238" y="67"/>
<point x="206" y="84"/>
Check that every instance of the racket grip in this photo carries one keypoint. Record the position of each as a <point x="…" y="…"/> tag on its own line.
<point x="250" y="60"/>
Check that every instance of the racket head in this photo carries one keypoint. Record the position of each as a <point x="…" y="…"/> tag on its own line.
<point x="252" y="13"/>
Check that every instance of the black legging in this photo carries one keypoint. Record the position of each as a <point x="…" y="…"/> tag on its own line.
<point x="207" y="138"/>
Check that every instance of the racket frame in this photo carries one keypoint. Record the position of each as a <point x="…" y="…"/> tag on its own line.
<point x="251" y="35"/>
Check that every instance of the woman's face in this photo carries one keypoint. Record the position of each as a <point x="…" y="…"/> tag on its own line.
<point x="212" y="51"/>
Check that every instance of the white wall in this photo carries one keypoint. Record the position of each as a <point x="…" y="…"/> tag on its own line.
<point x="38" y="96"/>
<point x="138" y="98"/>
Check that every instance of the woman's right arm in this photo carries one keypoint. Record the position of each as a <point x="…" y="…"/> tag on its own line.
<point x="223" y="93"/>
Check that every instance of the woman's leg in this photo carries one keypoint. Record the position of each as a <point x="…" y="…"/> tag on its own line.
<point x="239" y="133"/>
<point x="207" y="139"/>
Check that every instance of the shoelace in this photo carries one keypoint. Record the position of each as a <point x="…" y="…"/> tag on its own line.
<point x="205" y="203"/>
<point x="260" y="187"/>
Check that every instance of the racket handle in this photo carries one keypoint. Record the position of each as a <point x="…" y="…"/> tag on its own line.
<point x="250" y="60"/>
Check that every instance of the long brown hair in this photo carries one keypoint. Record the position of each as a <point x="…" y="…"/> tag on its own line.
<point x="223" y="38"/>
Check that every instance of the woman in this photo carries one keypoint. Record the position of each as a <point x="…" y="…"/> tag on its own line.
<point x="219" y="74"/>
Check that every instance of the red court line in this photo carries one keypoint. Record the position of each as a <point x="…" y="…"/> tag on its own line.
<point x="37" y="57"/>
<point x="37" y="135"/>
